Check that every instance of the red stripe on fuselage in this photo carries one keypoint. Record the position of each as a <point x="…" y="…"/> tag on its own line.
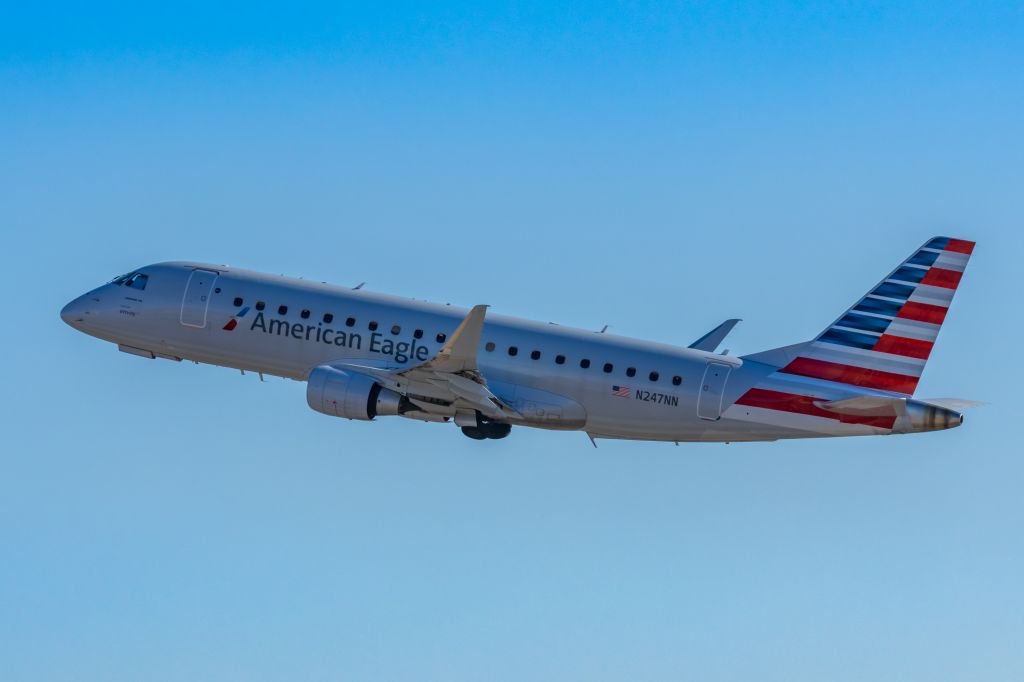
<point x="923" y="312"/>
<point x="855" y="376"/>
<point x="899" y="345"/>
<point x="940" y="277"/>
<point x="803" y="404"/>
<point x="960" y="246"/>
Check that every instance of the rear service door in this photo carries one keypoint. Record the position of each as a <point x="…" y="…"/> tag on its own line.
<point x="712" y="387"/>
<point x="197" y="298"/>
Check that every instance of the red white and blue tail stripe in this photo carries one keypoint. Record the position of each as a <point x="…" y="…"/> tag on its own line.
<point x="881" y="344"/>
<point x="883" y="341"/>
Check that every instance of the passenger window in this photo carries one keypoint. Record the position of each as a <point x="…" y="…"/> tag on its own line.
<point x="396" y="330"/>
<point x="559" y="359"/>
<point x="238" y="302"/>
<point x="489" y="347"/>
<point x="584" y="363"/>
<point x="608" y="368"/>
<point x="676" y="380"/>
<point x="441" y="337"/>
<point x="282" y="310"/>
<point x="372" y="326"/>
<point x="328" y="318"/>
<point x="138" y="282"/>
<point x="631" y="371"/>
<point x="418" y="334"/>
<point x="653" y="376"/>
<point x="535" y="355"/>
<point x="260" y="305"/>
<point x="350" y="322"/>
<point x="304" y="314"/>
<point x="513" y="351"/>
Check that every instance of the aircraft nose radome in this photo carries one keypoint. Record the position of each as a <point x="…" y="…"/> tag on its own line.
<point x="74" y="312"/>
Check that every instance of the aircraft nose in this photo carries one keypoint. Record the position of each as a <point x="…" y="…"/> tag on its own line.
<point x="74" y="312"/>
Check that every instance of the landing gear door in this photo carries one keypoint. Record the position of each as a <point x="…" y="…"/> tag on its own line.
<point x="712" y="388"/>
<point x="197" y="298"/>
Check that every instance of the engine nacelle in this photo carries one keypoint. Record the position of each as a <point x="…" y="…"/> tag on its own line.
<point x="340" y="393"/>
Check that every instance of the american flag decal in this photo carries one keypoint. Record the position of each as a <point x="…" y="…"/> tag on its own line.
<point x="620" y="391"/>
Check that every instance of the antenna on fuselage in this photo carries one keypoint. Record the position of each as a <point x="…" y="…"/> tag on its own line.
<point x="358" y="286"/>
<point x="603" y="329"/>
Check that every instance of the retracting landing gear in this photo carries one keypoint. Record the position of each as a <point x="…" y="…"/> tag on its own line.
<point x="485" y="428"/>
<point x="495" y="431"/>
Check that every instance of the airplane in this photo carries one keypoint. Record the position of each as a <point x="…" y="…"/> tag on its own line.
<point x="365" y="355"/>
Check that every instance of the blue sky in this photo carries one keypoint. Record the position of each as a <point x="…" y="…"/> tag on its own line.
<point x="655" y="167"/>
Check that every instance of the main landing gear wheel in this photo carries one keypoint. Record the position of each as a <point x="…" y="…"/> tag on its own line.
<point x="487" y="430"/>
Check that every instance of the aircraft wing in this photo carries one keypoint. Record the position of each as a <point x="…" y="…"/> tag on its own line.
<point x="450" y="381"/>
<point x="710" y="341"/>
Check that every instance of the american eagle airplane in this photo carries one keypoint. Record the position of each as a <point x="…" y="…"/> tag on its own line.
<point x="366" y="355"/>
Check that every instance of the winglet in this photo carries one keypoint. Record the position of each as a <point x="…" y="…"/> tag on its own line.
<point x="709" y="342"/>
<point x="460" y="351"/>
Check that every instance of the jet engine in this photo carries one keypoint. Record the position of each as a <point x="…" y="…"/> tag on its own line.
<point x="339" y="393"/>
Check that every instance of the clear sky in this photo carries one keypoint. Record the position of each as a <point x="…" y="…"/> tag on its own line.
<point x="654" y="167"/>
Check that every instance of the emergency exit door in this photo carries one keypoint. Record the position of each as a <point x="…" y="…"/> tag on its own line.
<point x="712" y="388"/>
<point x="197" y="298"/>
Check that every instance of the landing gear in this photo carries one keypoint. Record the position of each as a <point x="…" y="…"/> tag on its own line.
<point x="473" y="432"/>
<point x="487" y="429"/>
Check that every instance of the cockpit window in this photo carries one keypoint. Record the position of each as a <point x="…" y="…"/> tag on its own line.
<point x="135" y="280"/>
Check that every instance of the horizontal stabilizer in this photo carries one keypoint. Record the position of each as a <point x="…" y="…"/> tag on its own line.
<point x="865" y="406"/>
<point x="958" y="404"/>
<point x="710" y="341"/>
<point x="882" y="406"/>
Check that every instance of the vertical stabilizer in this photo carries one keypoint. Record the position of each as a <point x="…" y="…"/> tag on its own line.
<point x="884" y="340"/>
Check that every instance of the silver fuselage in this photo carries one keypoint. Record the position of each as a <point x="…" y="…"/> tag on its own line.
<point x="177" y="316"/>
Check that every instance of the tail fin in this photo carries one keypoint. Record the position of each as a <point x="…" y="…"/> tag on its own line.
<point x="884" y="340"/>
